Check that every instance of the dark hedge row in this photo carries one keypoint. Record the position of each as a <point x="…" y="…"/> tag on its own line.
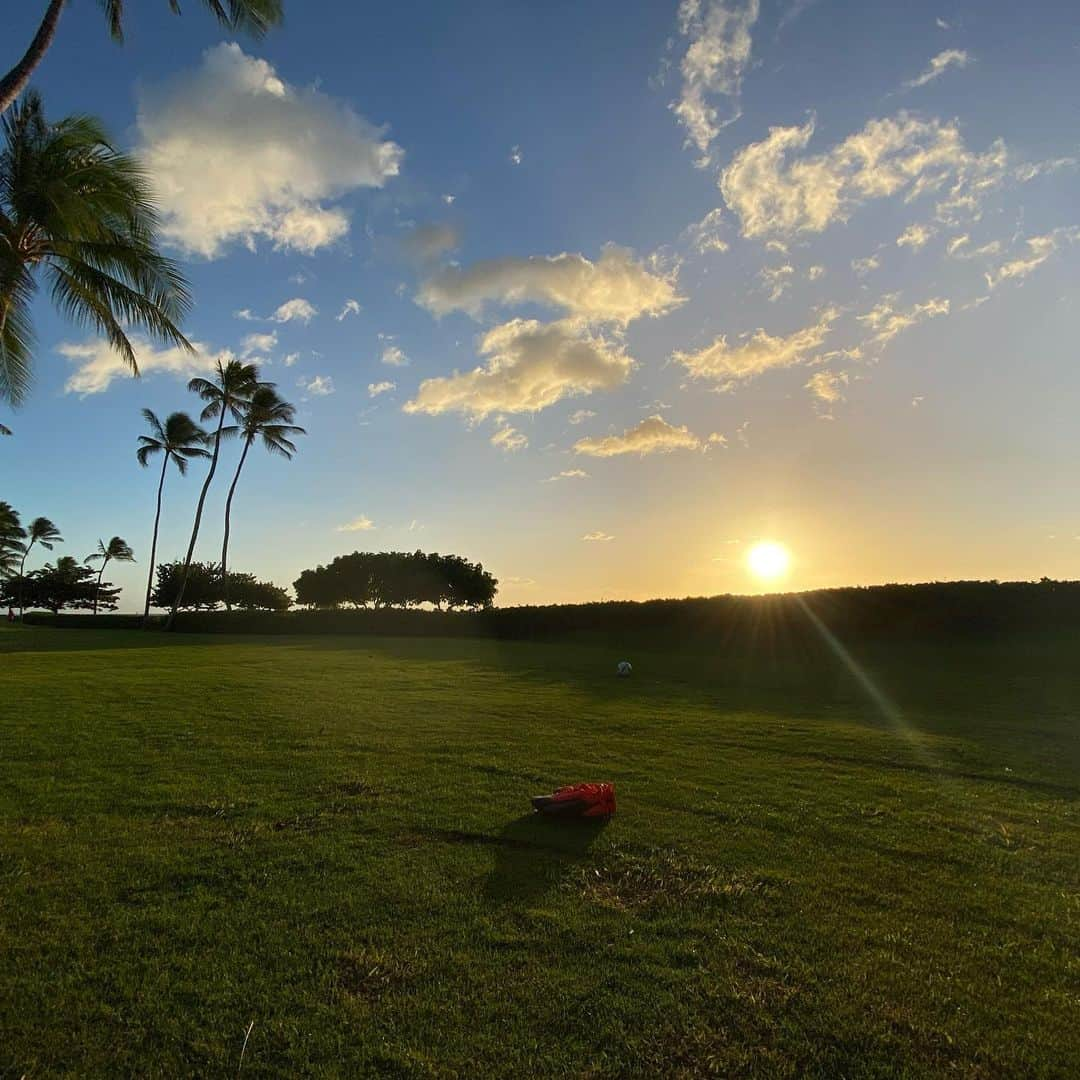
<point x="947" y="609"/>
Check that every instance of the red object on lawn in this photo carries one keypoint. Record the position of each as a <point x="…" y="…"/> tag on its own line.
<point x="578" y="800"/>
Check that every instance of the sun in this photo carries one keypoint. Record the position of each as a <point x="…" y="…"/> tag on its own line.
<point x="768" y="560"/>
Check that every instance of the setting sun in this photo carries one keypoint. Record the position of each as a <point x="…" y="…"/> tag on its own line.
<point x="768" y="560"/>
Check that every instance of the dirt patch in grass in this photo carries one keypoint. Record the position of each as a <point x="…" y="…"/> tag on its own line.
<point x="629" y="880"/>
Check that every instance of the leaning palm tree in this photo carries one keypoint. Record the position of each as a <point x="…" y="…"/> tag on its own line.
<point x="41" y="531"/>
<point x="117" y="549"/>
<point x="178" y="440"/>
<point x="268" y="418"/>
<point x="229" y="395"/>
<point x="12" y="535"/>
<point x="80" y="214"/>
<point x="254" y="16"/>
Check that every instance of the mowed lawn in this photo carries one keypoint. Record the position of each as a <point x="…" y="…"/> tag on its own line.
<point x="323" y="844"/>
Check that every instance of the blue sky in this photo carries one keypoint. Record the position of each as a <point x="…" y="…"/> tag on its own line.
<point x="802" y="272"/>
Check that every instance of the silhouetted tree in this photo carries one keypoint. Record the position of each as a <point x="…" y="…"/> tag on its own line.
<point x="116" y="549"/>
<point x="68" y="584"/>
<point x="229" y="395"/>
<point x="269" y="419"/>
<point x="12" y="535"/>
<point x="41" y="531"/>
<point x="178" y="440"/>
<point x="396" y="579"/>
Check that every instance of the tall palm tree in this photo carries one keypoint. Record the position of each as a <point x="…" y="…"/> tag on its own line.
<point x="117" y="548"/>
<point x="12" y="535"/>
<point x="254" y="16"/>
<point x="81" y="214"/>
<point x="268" y="418"/>
<point x="41" y="531"/>
<point x="178" y="440"/>
<point x="229" y="395"/>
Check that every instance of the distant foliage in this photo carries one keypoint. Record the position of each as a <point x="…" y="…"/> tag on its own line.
<point x="204" y="590"/>
<point x="398" y="580"/>
<point x="66" y="586"/>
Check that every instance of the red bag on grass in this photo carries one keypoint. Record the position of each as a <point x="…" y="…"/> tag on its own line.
<point x="578" y="800"/>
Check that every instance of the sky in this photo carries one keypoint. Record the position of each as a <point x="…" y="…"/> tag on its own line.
<point x="597" y="294"/>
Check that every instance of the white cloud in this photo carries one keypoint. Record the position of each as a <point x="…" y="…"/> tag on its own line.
<point x="290" y="359"/>
<point x="566" y="474"/>
<point x="828" y="386"/>
<point x="594" y="537"/>
<point x="616" y="288"/>
<point x="1040" y="248"/>
<point x="509" y="439"/>
<point x="815" y="272"/>
<point x="915" y="237"/>
<point x="317" y="385"/>
<point x="239" y="155"/>
<point x="352" y="307"/>
<point x="716" y="58"/>
<point x="761" y="352"/>
<point x="705" y="235"/>
<point x="516" y="156"/>
<point x="939" y="65"/>
<point x="942" y="24"/>
<point x="776" y="279"/>
<point x="773" y="190"/>
<point x="246" y="315"/>
<point x="258" y="343"/>
<point x="578" y="416"/>
<point x="361" y="524"/>
<point x="97" y="364"/>
<point x="959" y="247"/>
<point x="374" y="389"/>
<point x="862" y="267"/>
<point x="393" y="356"/>
<point x="654" y="435"/>
<point x="886" y="320"/>
<point x="449" y="199"/>
<point x="530" y="366"/>
<point x="296" y="310"/>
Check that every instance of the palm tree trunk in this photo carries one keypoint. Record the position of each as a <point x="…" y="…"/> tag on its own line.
<point x="97" y="587"/>
<point x="228" y="512"/>
<point x="153" y="544"/>
<point x="14" y="82"/>
<point x="22" y="567"/>
<point x="198" y="520"/>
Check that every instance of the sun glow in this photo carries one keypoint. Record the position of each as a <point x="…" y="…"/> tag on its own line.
<point x="768" y="560"/>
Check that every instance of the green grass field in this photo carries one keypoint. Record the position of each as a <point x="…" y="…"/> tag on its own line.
<point x="326" y="840"/>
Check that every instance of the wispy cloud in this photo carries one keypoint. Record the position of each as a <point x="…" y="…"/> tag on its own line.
<point x="939" y="65"/>
<point x="317" y="385"/>
<point x="566" y="474"/>
<point x="654" y="435"/>
<point x="352" y="307"/>
<point x="598" y="536"/>
<point x="374" y="389"/>
<point x="360" y="524"/>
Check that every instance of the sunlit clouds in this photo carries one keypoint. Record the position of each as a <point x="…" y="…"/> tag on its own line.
<point x="239" y="155"/>
<point x="654" y="435"/>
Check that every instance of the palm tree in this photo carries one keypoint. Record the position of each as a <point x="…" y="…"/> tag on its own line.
<point x="81" y="214"/>
<point x="12" y="535"/>
<point x="117" y="548"/>
<point x="4" y="430"/>
<point x="41" y="531"/>
<point x="229" y="395"/>
<point x="254" y="16"/>
<point x="268" y="418"/>
<point x="179" y="439"/>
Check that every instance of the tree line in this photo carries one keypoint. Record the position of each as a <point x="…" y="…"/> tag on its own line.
<point x="396" y="579"/>
<point x="67" y="583"/>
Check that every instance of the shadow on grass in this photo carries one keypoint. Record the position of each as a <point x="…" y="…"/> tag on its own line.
<point x="534" y="853"/>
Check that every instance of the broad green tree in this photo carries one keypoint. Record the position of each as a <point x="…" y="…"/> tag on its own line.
<point x="116" y="550"/>
<point x="178" y="440"/>
<point x="228" y="395"/>
<point x="41" y="531"/>
<point x="79" y="214"/>
<point x="253" y="16"/>
<point x="269" y="419"/>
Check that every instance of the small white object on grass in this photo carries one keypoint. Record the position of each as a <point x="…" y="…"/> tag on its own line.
<point x="623" y="669"/>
